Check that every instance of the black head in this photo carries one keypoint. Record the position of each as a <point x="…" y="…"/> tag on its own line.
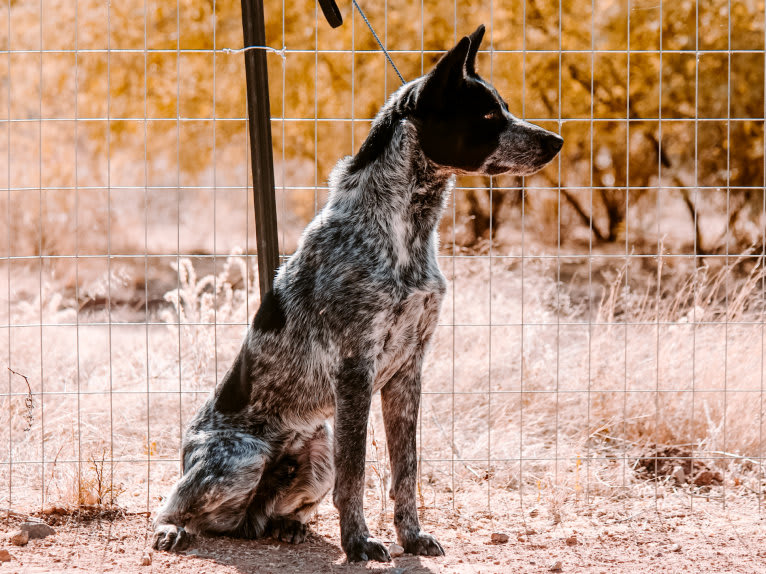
<point x="464" y="124"/>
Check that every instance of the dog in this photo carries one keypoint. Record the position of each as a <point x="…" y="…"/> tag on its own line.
<point x="351" y="313"/>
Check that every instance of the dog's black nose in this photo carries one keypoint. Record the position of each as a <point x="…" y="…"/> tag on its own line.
<point x="552" y="144"/>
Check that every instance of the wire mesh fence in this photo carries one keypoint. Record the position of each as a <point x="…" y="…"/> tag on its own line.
<point x="603" y="330"/>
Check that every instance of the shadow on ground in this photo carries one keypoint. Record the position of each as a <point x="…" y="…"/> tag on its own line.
<point x="314" y="555"/>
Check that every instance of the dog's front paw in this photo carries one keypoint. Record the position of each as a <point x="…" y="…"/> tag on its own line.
<point x="423" y="544"/>
<point x="171" y="538"/>
<point x="365" y="548"/>
<point x="288" y="530"/>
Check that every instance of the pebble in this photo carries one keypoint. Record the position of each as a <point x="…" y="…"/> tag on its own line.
<point x="572" y="540"/>
<point x="534" y="512"/>
<point x="5" y="556"/>
<point x="556" y="566"/>
<point x="679" y="475"/>
<point x="37" y="529"/>
<point x="499" y="537"/>
<point x="146" y="559"/>
<point x="395" y="550"/>
<point x="20" y="538"/>
<point x="675" y="548"/>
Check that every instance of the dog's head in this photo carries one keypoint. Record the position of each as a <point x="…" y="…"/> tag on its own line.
<point x="464" y="124"/>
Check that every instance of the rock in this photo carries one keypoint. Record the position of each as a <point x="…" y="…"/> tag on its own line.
<point x="20" y="538"/>
<point x="146" y="559"/>
<point x="675" y="548"/>
<point x="556" y="566"/>
<point x="679" y="475"/>
<point x="37" y="529"/>
<point x="572" y="540"/>
<point x="5" y="556"/>
<point x="395" y="551"/>
<point x="708" y="477"/>
<point x="534" y="512"/>
<point x="499" y="537"/>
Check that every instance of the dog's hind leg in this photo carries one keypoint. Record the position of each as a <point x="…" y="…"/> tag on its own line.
<point x="313" y="479"/>
<point x="222" y="470"/>
<point x="400" y="401"/>
<point x="292" y="488"/>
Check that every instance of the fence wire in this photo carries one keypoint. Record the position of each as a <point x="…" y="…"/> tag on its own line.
<point x="603" y="330"/>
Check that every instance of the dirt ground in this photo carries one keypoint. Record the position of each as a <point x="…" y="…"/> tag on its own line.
<point x="619" y="536"/>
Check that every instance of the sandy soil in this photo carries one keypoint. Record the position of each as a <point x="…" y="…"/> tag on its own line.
<point x="618" y="536"/>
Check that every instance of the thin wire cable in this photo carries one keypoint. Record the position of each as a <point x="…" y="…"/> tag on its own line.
<point x="600" y="120"/>
<point x="627" y="255"/>
<point x="523" y="247"/>
<point x="491" y="240"/>
<point x="109" y="243"/>
<point x="284" y="113"/>
<point x="316" y="107"/>
<point x="714" y="456"/>
<point x="679" y="323"/>
<point x="479" y="392"/>
<point x="8" y="269"/>
<point x="146" y="277"/>
<point x="696" y="246"/>
<point x="282" y="53"/>
<point x="382" y="47"/>
<point x="726" y="245"/>
<point x="590" y="248"/>
<point x="215" y="218"/>
<point x="178" y="227"/>
<point x="659" y="278"/>
<point x="137" y="119"/>
<point x="454" y="249"/>
<point x="342" y="50"/>
<point x="40" y="268"/>
<point x="77" y="248"/>
<point x="419" y="437"/>
<point x="558" y="271"/>
<point x="326" y="188"/>
<point x="763" y="297"/>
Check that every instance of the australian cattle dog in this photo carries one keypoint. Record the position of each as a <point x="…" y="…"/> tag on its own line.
<point x="351" y="313"/>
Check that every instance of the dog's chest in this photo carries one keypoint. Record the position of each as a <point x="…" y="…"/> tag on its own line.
<point x="404" y="330"/>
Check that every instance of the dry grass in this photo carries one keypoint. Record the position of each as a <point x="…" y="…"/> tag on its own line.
<point x="554" y="390"/>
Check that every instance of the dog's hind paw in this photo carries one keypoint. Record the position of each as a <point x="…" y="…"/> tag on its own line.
<point x="171" y="538"/>
<point x="423" y="544"/>
<point x="365" y="548"/>
<point x="288" y="530"/>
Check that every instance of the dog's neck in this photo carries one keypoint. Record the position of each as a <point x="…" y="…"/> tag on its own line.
<point x="390" y="179"/>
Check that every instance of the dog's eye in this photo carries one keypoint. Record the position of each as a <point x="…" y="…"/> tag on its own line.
<point x="493" y="115"/>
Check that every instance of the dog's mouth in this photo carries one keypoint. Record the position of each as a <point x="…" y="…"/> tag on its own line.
<point x="514" y="169"/>
<point x="523" y="149"/>
<point x="494" y="169"/>
<point x="526" y="163"/>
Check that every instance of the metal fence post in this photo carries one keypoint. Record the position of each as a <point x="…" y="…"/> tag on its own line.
<point x="262" y="162"/>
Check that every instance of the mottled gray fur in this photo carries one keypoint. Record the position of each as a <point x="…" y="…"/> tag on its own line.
<point x="351" y="313"/>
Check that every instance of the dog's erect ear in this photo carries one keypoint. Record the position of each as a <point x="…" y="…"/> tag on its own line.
<point x="448" y="72"/>
<point x="475" y="39"/>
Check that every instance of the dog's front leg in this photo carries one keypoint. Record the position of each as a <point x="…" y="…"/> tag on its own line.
<point x="400" y="401"/>
<point x="353" y="394"/>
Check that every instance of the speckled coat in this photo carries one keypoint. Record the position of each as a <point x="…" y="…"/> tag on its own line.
<point x="350" y="313"/>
